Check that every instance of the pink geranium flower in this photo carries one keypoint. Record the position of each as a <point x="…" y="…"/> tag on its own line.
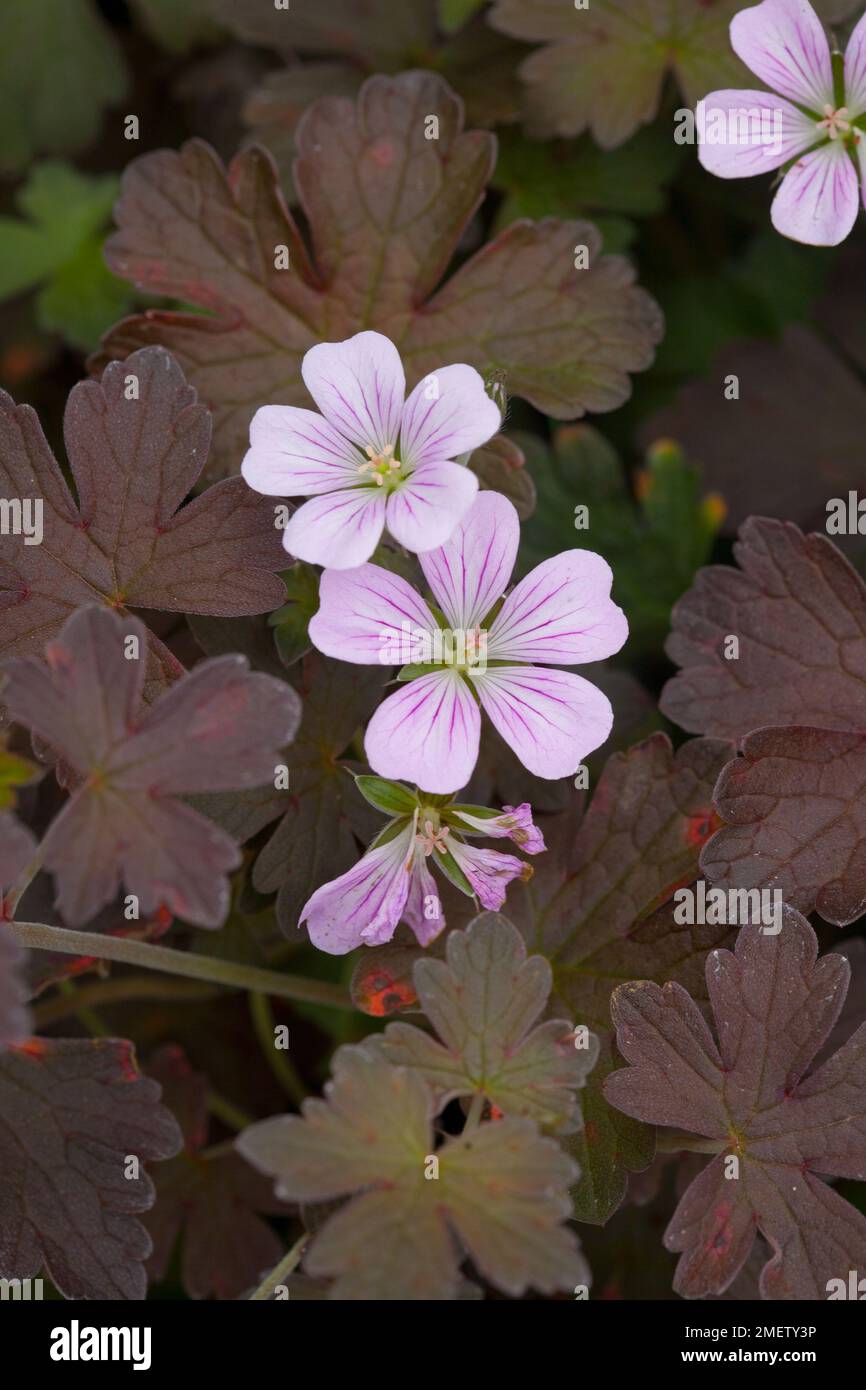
<point x="371" y="459"/>
<point x="560" y="614"/>
<point x="813" y="128"/>
<point x="392" y="882"/>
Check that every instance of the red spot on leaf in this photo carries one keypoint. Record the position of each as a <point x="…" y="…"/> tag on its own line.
<point x="700" y="825"/>
<point x="33" y="1047"/>
<point x="380" y="993"/>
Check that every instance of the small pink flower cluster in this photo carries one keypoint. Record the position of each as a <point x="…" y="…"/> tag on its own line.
<point x="370" y="460"/>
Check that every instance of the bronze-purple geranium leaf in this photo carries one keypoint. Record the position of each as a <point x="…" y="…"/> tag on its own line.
<point x="773" y="657"/>
<point x="137" y="442"/>
<point x="220" y="727"/>
<point x="777" y="1125"/>
<point x="368" y="177"/>
<point x="88" y="1113"/>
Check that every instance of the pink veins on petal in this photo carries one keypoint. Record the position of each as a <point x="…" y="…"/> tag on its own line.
<point x="561" y="614"/>
<point x="810" y="130"/>
<point x="371" y="458"/>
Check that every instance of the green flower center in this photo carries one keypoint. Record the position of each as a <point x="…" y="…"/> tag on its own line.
<point x="382" y="469"/>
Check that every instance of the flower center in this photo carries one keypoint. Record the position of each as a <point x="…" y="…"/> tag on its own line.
<point x="381" y="464"/>
<point x="463" y="648"/>
<point x="835" y="123"/>
<point x="432" y="838"/>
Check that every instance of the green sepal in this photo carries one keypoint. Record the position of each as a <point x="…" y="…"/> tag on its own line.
<point x="452" y="871"/>
<point x="391" y="797"/>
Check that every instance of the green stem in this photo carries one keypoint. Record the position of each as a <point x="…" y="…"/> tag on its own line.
<point x="282" y="1066"/>
<point x="38" y="936"/>
<point x="280" y="1272"/>
<point x="85" y="1015"/>
<point x="230" y="1114"/>
<point x="121" y="990"/>
<point x="14" y="897"/>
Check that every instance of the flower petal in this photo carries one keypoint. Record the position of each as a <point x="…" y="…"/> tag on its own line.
<point x="427" y="732"/>
<point x="296" y="453"/>
<point x="515" y="823"/>
<point x="359" y="386"/>
<point x="340" y="529"/>
<point x="423" y="513"/>
<point x="784" y="44"/>
<point x="551" y="719"/>
<point x="819" y="198"/>
<point x="489" y="872"/>
<point x="561" y="614"/>
<point x="471" y="571"/>
<point x="363" y="612"/>
<point x="459" y="418"/>
<point x="855" y="70"/>
<point x="746" y="133"/>
<point x="423" y="899"/>
<point x="364" y="905"/>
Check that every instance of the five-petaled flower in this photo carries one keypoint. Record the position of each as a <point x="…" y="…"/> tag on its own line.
<point x="392" y="882"/>
<point x="560" y="614"/>
<point x="819" y="120"/>
<point x="371" y="459"/>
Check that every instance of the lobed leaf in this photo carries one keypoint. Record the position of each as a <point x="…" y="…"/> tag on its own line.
<point x="501" y="1191"/>
<point x="482" y="1002"/>
<point x="604" y="65"/>
<point x="751" y="1092"/>
<point x="128" y="542"/>
<point x="798" y="611"/>
<point x="794" y="820"/>
<point x="367" y="177"/>
<point x="219" y="727"/>
<point x="79" y="1111"/>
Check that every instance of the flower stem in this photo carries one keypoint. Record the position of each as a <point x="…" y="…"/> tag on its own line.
<point x="232" y="975"/>
<point x="230" y="1114"/>
<point x="120" y="990"/>
<point x="282" y="1066"/>
<point x="279" y="1272"/>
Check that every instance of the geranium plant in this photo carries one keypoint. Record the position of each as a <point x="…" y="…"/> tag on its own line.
<point x="433" y="658"/>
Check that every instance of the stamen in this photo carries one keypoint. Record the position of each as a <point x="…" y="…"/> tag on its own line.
<point x="835" y="123"/>
<point x="380" y="462"/>
<point x="433" y="839"/>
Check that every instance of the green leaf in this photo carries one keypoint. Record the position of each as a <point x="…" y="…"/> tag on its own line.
<point x="59" y="68"/>
<point x="390" y="797"/>
<point x="603" y="68"/>
<point x="58" y="246"/>
<point x="654" y="544"/>
<point x="178" y="25"/>
<point x="292" y="621"/>
<point x="499" y="1194"/>
<point x="15" y="772"/>
<point x="483" y="1001"/>
<point x="576" y="179"/>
